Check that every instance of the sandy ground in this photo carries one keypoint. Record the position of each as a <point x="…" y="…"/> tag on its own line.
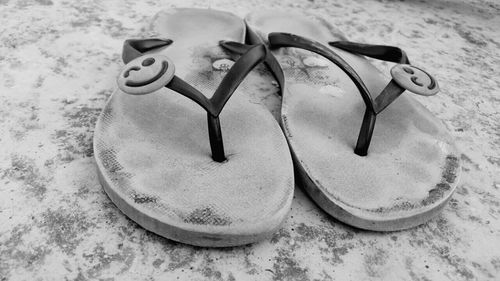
<point x="58" y="61"/>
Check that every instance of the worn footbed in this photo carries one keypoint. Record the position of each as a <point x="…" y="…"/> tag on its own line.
<point x="153" y="153"/>
<point x="412" y="166"/>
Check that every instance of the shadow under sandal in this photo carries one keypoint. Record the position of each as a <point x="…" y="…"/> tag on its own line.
<point x="157" y="160"/>
<point x="366" y="154"/>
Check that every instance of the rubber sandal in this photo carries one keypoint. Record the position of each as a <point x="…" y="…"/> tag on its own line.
<point x="392" y="174"/>
<point x="155" y="157"/>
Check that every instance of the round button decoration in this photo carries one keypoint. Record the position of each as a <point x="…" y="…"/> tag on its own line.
<point x="414" y="80"/>
<point x="222" y="64"/>
<point x="146" y="74"/>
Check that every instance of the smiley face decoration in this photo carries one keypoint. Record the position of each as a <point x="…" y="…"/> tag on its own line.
<point x="414" y="80"/>
<point x="146" y="74"/>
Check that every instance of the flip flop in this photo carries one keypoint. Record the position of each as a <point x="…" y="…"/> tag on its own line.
<point x="157" y="160"/>
<point x="392" y="174"/>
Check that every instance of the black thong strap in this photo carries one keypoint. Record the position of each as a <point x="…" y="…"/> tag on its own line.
<point x="236" y="74"/>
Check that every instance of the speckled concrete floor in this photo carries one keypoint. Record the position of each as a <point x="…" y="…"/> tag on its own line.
<point x="58" y="61"/>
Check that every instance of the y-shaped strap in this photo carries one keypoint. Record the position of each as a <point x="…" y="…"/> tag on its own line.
<point x="394" y="89"/>
<point x="134" y="48"/>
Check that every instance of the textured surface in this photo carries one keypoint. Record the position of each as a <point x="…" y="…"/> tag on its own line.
<point x="58" y="62"/>
<point x="156" y="147"/>
<point x="406" y="172"/>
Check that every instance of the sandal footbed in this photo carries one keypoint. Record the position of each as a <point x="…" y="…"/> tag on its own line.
<point x="153" y="153"/>
<point x="412" y="167"/>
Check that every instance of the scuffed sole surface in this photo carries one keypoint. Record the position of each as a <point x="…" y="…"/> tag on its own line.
<point x="153" y="153"/>
<point x="412" y="167"/>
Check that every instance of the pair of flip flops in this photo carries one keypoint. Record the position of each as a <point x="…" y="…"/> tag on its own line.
<point x="232" y="184"/>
